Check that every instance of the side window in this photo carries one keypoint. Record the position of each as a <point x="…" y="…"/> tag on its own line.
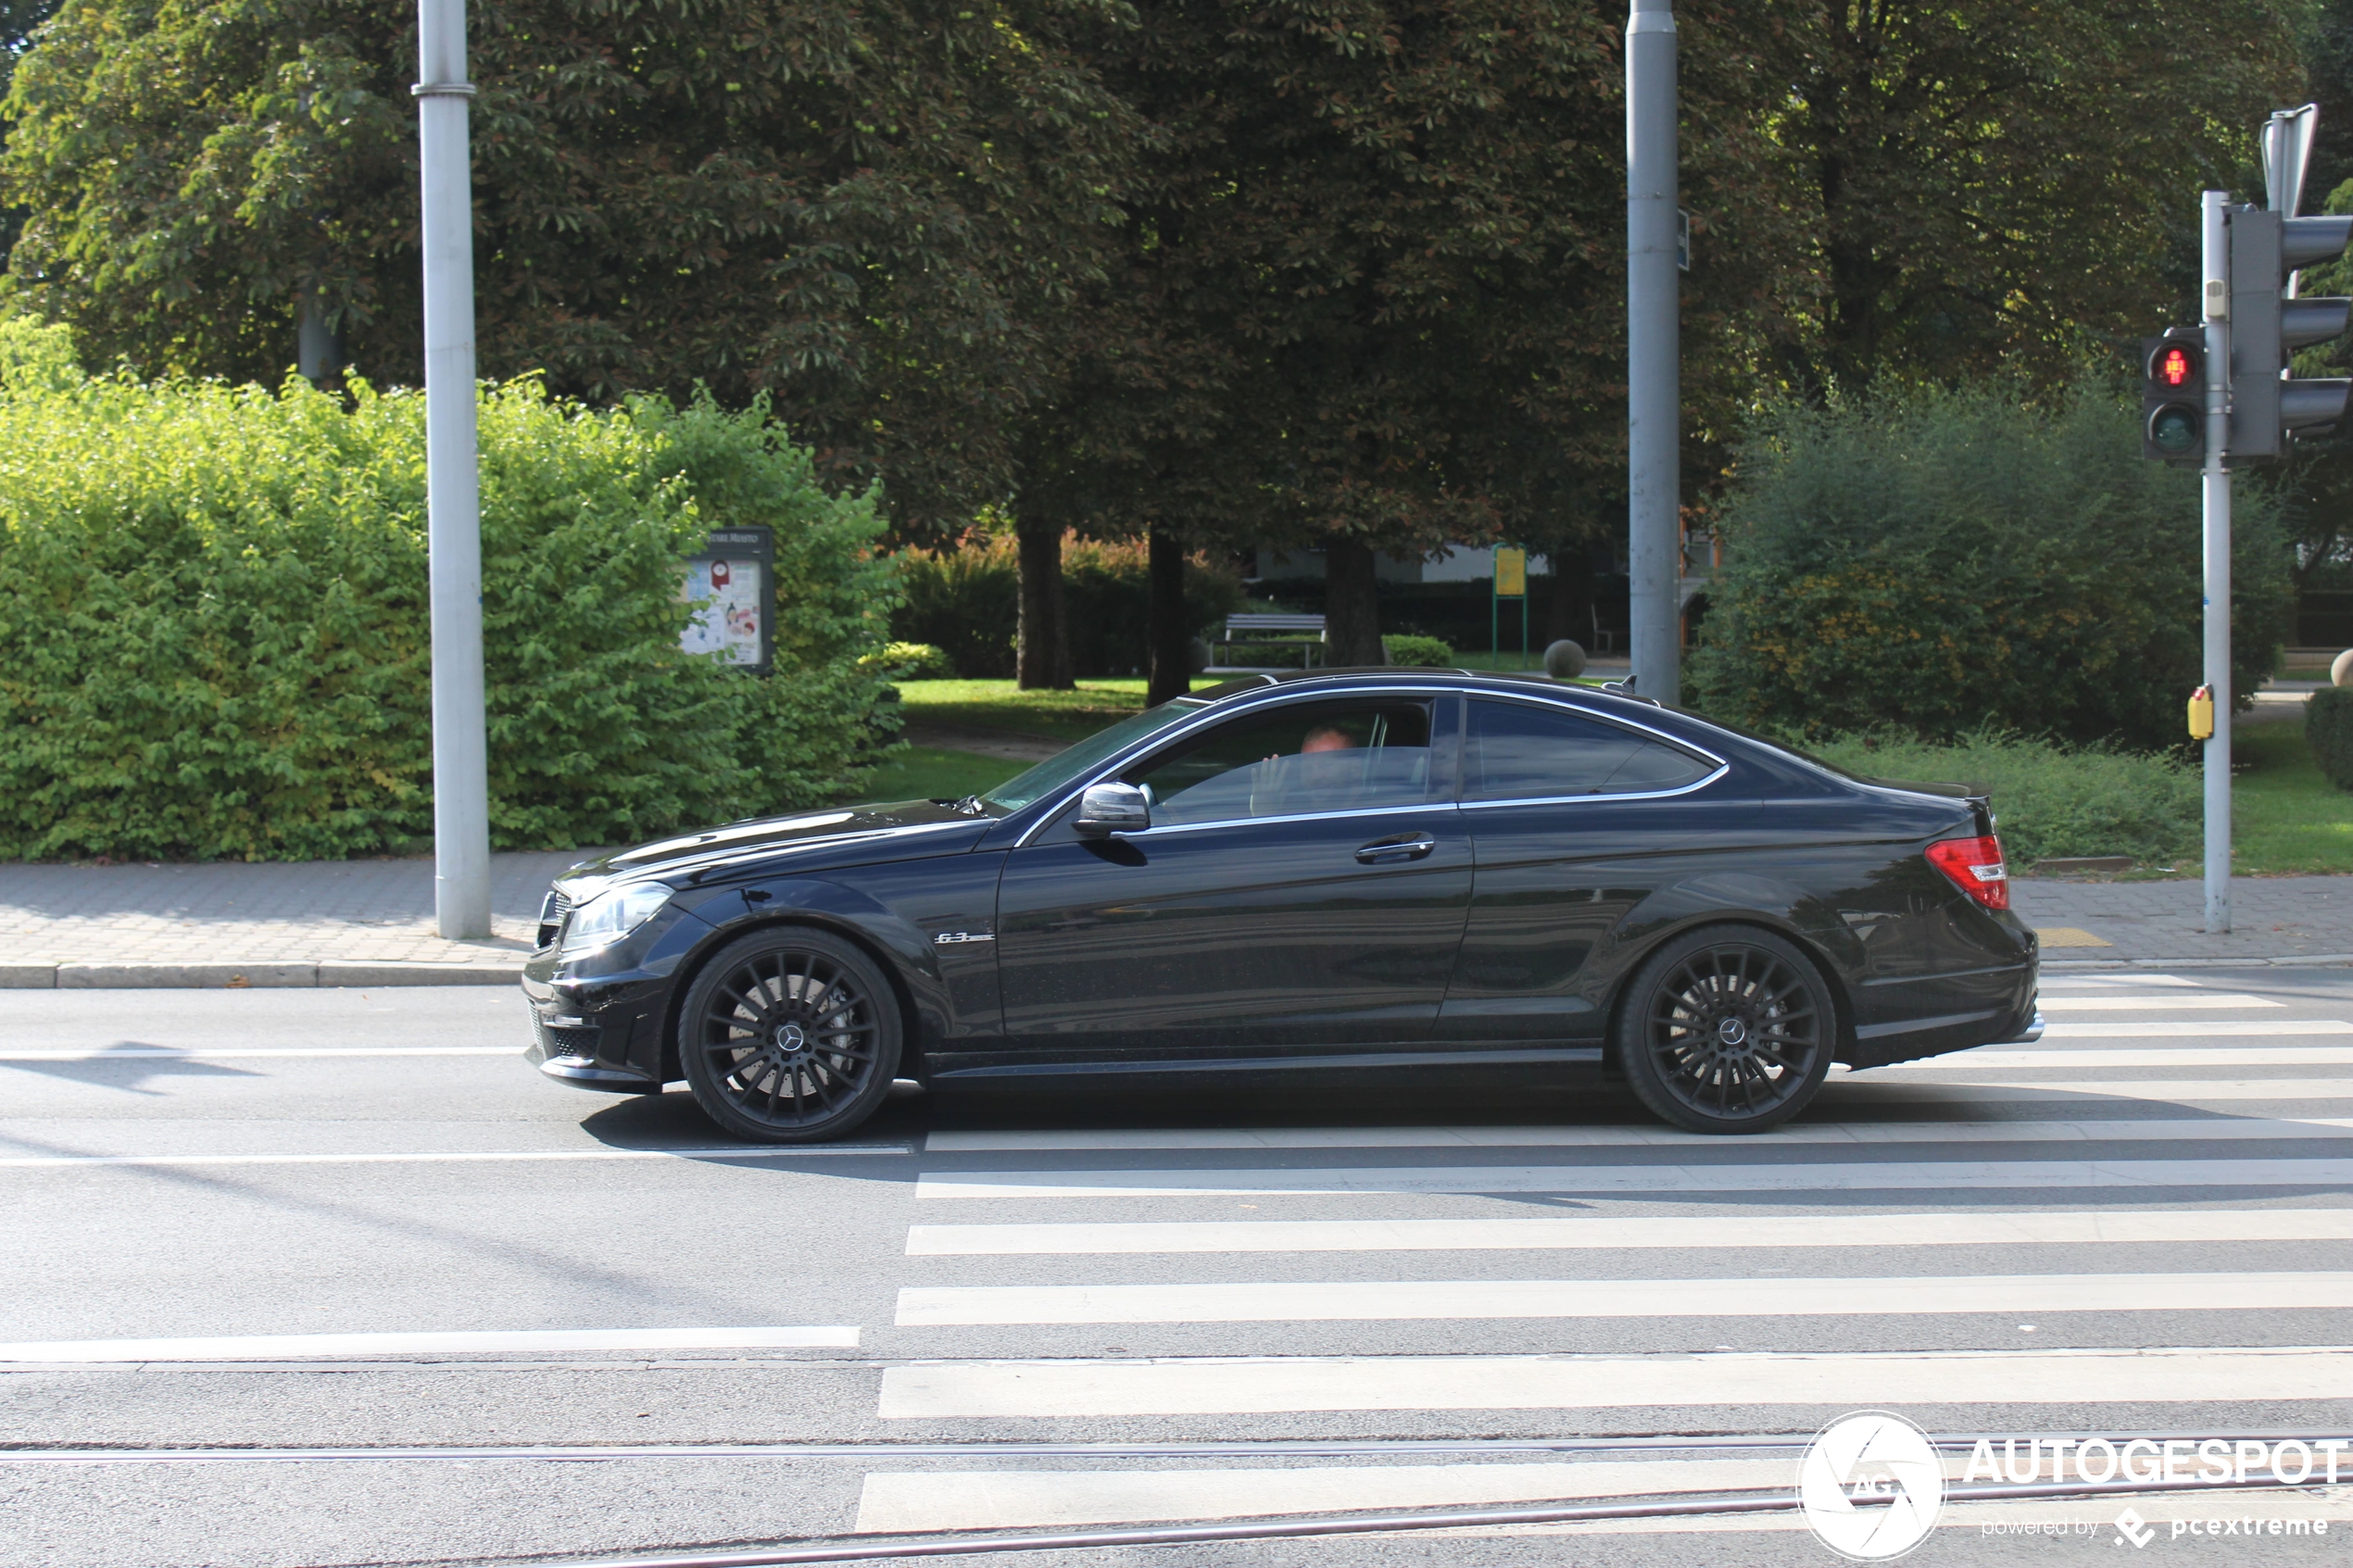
<point x="1519" y="752"/>
<point x="1291" y="762"/>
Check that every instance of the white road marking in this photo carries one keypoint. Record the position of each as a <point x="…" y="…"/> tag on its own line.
<point x="1996" y="1057"/>
<point x="2126" y="1129"/>
<point x="2081" y="1228"/>
<point x="2056" y="1177"/>
<point x="276" y="1347"/>
<point x="154" y="1053"/>
<point x="2169" y="1004"/>
<point x="1910" y="1090"/>
<point x="1468" y="1300"/>
<point x="451" y="1157"/>
<point x="2195" y="1028"/>
<point x="995" y="1499"/>
<point x="2116" y="979"/>
<point x="1284" y="1386"/>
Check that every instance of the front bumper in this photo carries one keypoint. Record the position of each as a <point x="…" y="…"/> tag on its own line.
<point x="601" y="1022"/>
<point x="2028" y="1036"/>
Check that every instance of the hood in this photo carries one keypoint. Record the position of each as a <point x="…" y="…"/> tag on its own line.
<point x="844" y="835"/>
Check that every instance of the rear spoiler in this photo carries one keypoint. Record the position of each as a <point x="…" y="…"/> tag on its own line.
<point x="1980" y="796"/>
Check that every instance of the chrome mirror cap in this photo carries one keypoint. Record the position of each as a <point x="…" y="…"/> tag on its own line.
<point x="1107" y="808"/>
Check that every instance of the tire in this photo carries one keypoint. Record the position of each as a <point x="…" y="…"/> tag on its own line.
<point x="1726" y="1029"/>
<point x="789" y="1035"/>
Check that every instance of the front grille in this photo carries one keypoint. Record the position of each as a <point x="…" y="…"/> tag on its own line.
<point x="552" y="912"/>
<point x="567" y="1039"/>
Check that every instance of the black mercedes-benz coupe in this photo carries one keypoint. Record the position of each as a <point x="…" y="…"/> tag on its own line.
<point x="1338" y="871"/>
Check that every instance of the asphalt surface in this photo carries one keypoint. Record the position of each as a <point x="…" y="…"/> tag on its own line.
<point x="1106" y="1312"/>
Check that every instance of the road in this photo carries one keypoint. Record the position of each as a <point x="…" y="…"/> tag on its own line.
<point x="1490" y="1294"/>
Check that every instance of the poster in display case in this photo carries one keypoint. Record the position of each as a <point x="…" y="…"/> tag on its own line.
<point x="731" y="583"/>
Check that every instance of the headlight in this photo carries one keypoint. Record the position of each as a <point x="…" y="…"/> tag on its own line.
<point x="614" y="914"/>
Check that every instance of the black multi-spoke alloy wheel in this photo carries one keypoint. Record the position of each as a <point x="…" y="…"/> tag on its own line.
<point x="789" y="1035"/>
<point x="1727" y="1029"/>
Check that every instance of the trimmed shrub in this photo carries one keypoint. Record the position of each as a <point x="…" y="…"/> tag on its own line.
<point x="967" y="601"/>
<point x="214" y="640"/>
<point x="913" y="661"/>
<point x="2049" y="801"/>
<point x="1938" y="563"/>
<point x="1406" y="648"/>
<point x="2328" y="729"/>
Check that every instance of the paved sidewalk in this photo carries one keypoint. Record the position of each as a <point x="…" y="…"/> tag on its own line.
<point x="327" y="922"/>
<point x="369" y="923"/>
<point x="2274" y="920"/>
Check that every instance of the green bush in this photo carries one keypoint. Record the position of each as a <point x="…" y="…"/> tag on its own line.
<point x="2050" y="801"/>
<point x="213" y="630"/>
<point x="1406" y="648"/>
<point x="911" y="661"/>
<point x="2328" y="729"/>
<point x="967" y="601"/>
<point x="1942" y="561"/>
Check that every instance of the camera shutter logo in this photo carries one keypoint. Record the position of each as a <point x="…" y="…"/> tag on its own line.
<point x="1851" y="1464"/>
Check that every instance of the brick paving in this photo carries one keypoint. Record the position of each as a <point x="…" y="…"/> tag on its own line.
<point x="264" y="922"/>
<point x="2273" y="919"/>
<point x="371" y="921"/>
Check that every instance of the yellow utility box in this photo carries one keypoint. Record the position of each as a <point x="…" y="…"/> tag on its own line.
<point x="2202" y="714"/>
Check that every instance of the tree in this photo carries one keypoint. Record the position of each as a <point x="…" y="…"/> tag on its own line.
<point x="1996" y="182"/>
<point x="18" y="21"/>
<point x="866" y="211"/>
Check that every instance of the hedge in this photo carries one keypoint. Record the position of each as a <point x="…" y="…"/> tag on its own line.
<point x="2049" y="801"/>
<point x="1937" y="561"/>
<point x="2328" y="729"/>
<point x="966" y="600"/>
<point x="213" y="621"/>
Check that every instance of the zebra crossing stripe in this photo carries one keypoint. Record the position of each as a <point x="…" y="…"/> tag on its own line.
<point x="1671" y="1232"/>
<point x="1466" y="1301"/>
<point x="2114" y="1002"/>
<point x="1844" y="1088"/>
<point x="1644" y="1136"/>
<point x="2065" y="1060"/>
<point x="1279" y="1385"/>
<point x="2055" y="1176"/>
<point x="2162" y="1028"/>
<point x="991" y="1499"/>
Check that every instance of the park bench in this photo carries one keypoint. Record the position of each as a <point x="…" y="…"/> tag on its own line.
<point x="1268" y="630"/>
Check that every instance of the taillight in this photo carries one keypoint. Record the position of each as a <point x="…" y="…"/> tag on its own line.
<point x="1974" y="865"/>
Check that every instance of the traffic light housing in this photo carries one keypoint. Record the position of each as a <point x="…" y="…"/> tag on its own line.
<point x="2267" y="328"/>
<point x="2173" y="395"/>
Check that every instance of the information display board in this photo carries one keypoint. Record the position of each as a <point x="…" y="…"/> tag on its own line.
<point x="731" y="583"/>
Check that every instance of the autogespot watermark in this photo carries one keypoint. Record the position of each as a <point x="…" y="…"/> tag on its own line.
<point x="1871" y="1485"/>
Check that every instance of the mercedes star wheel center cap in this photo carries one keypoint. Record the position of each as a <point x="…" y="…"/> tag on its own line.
<point x="789" y="1038"/>
<point x="1732" y="1032"/>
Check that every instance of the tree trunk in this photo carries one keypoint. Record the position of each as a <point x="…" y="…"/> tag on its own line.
<point x="1166" y="635"/>
<point x="1567" y="609"/>
<point x="1042" y="651"/>
<point x="1352" y="605"/>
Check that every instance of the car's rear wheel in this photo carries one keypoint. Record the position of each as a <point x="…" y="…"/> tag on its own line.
<point x="789" y="1035"/>
<point x="1726" y="1029"/>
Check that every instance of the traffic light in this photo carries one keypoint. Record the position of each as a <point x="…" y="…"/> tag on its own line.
<point x="2173" y="395"/>
<point x="2267" y="248"/>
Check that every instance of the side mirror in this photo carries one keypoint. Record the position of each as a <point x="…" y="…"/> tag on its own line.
<point x="1113" y="808"/>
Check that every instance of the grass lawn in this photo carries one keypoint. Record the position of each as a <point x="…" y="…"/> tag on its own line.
<point x="930" y="772"/>
<point x="1001" y="704"/>
<point x="2286" y="817"/>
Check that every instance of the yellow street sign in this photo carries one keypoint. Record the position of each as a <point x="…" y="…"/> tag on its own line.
<point x="1511" y="574"/>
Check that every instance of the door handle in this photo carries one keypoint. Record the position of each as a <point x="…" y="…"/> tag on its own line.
<point x="1397" y="847"/>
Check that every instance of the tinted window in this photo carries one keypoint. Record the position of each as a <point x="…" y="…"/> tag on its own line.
<point x="1517" y="752"/>
<point x="1324" y="756"/>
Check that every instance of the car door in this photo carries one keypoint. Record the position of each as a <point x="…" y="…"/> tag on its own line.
<point x="1301" y="887"/>
<point x="1574" y="821"/>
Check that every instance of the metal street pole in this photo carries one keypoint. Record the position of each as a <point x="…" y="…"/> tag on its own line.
<point x="2215" y="248"/>
<point x="461" y="762"/>
<point x="1653" y="543"/>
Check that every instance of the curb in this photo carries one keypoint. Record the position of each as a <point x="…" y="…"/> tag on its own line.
<point x="2314" y="960"/>
<point x="272" y="975"/>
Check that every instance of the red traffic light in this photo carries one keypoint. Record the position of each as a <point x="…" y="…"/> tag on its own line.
<point x="2174" y="365"/>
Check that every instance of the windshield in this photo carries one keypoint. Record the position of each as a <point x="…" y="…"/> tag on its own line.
<point x="1064" y="766"/>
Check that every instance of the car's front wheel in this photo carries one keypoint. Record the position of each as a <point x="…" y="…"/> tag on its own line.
<point x="1727" y="1030"/>
<point x="789" y="1035"/>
